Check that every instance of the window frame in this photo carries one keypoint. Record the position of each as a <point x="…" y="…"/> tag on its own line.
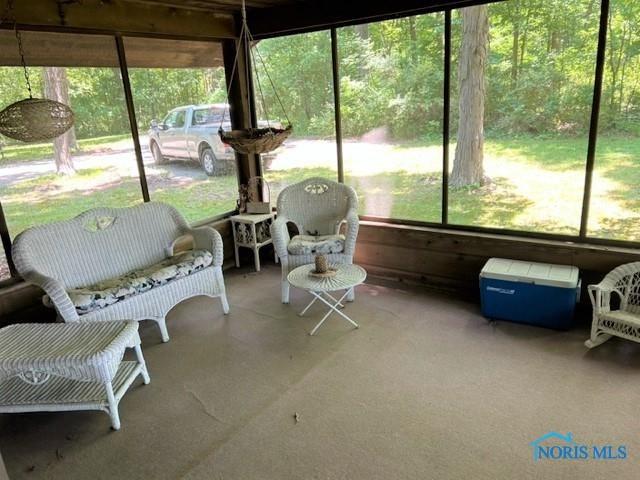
<point x="583" y="236"/>
<point x="117" y="38"/>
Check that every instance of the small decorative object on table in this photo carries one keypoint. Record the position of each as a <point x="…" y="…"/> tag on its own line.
<point x="322" y="268"/>
<point x="243" y="194"/>
<point x="258" y="196"/>
<point x="252" y="231"/>
<point x="321" y="264"/>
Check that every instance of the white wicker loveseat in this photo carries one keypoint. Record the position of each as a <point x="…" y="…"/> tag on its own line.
<point x="119" y="263"/>
<point x="624" y="321"/>
<point x="317" y="207"/>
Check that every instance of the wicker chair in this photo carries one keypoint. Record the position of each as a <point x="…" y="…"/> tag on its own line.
<point x="317" y="207"/>
<point x="623" y="322"/>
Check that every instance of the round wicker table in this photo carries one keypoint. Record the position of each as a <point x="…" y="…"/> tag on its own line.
<point x="347" y="277"/>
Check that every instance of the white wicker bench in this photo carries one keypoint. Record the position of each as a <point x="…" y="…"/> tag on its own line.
<point x="119" y="263"/>
<point x="63" y="367"/>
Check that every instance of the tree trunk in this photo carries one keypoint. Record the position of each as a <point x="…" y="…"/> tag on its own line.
<point x="515" y="46"/>
<point x="56" y="87"/>
<point x="467" y="165"/>
<point x="363" y="31"/>
<point x="413" y="36"/>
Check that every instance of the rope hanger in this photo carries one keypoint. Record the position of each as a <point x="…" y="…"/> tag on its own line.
<point x="253" y="139"/>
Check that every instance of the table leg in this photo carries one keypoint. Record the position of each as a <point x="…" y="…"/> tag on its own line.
<point x="341" y="305"/>
<point x="143" y="365"/>
<point x="308" y="306"/>
<point x="256" y="254"/>
<point x="113" y="407"/>
<point x="332" y="308"/>
<point x="235" y="244"/>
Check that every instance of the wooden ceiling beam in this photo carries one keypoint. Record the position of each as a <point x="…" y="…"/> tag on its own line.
<point x="212" y="5"/>
<point x="322" y="14"/>
<point x="207" y="5"/>
<point x="197" y="6"/>
<point x="120" y="16"/>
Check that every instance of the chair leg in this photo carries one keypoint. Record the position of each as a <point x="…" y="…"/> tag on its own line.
<point x="352" y="295"/>
<point x="162" y="323"/>
<point x="597" y="339"/>
<point x="225" y="303"/>
<point x="285" y="291"/>
<point x="597" y="336"/>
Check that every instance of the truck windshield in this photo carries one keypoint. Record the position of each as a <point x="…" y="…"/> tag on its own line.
<point x="208" y="116"/>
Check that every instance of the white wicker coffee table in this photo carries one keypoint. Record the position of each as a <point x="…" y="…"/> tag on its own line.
<point x="346" y="278"/>
<point x="68" y="366"/>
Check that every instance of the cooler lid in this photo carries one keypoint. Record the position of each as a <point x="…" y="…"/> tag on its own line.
<point x="564" y="276"/>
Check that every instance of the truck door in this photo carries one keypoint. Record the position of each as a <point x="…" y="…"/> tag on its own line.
<point x="172" y="138"/>
<point x="193" y="133"/>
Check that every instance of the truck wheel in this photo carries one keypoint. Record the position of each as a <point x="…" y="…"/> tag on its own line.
<point x="209" y="162"/>
<point x="158" y="158"/>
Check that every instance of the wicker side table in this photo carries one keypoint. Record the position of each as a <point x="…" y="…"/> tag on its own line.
<point x="347" y="277"/>
<point x="252" y="231"/>
<point x="68" y="366"/>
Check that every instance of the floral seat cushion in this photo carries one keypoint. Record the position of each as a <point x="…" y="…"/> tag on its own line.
<point x="111" y="291"/>
<point x="310" y="245"/>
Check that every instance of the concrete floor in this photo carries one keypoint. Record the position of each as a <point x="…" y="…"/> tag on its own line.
<point x="425" y="389"/>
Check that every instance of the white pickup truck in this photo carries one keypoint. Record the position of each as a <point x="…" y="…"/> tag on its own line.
<point x="191" y="133"/>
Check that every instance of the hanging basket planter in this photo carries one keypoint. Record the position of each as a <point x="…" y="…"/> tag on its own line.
<point x="35" y="119"/>
<point x="255" y="140"/>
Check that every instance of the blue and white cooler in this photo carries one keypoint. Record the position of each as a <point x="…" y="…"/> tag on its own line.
<point x="526" y="292"/>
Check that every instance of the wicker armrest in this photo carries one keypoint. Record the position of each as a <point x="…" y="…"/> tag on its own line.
<point x="600" y="295"/>
<point x="207" y="238"/>
<point x="280" y="235"/>
<point x="57" y="294"/>
<point x="353" y="225"/>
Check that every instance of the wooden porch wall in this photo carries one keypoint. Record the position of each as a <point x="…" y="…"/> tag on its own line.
<point x="452" y="260"/>
<point x="21" y="303"/>
<point x="440" y="259"/>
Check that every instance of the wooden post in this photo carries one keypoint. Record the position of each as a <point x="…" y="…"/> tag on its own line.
<point x="595" y="116"/>
<point x="6" y="241"/>
<point x="446" y="111"/>
<point x="241" y="109"/>
<point x="133" y="123"/>
<point x="335" y="60"/>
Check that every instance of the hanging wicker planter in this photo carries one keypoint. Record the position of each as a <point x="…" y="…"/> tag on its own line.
<point x="255" y="140"/>
<point x="35" y="119"/>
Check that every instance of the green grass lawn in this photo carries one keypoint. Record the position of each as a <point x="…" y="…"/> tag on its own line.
<point x="50" y="198"/>
<point x="534" y="185"/>
<point x="40" y="151"/>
